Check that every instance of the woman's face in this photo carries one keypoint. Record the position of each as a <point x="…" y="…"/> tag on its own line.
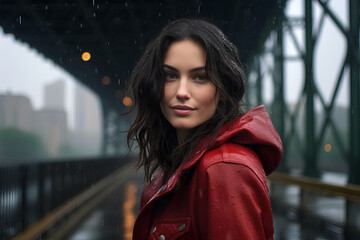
<point x="190" y="99"/>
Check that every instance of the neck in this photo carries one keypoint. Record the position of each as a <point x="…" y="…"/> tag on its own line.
<point x="182" y="135"/>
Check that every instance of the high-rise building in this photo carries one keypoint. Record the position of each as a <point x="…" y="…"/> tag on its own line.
<point x="51" y="125"/>
<point x="54" y="95"/>
<point x="87" y="111"/>
<point x="87" y="133"/>
<point x="16" y="111"/>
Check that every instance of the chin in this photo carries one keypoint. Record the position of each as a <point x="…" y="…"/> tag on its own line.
<point x="185" y="126"/>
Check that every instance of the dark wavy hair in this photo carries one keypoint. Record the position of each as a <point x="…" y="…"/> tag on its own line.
<point x="155" y="137"/>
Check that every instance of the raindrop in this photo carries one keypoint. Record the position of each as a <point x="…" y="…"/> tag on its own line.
<point x="20" y="19"/>
<point x="134" y="42"/>
<point x="93" y="2"/>
<point x="141" y="35"/>
<point x="96" y="71"/>
<point x="159" y="14"/>
<point x="97" y="6"/>
<point x="46" y="7"/>
<point x="81" y="25"/>
<point x="126" y="4"/>
<point x="108" y="43"/>
<point x="199" y="9"/>
<point x="70" y="60"/>
<point x="119" y="81"/>
<point x="94" y="14"/>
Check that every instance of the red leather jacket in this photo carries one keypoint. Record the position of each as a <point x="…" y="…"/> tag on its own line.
<point x="222" y="192"/>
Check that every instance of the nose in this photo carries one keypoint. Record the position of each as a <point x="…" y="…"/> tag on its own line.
<point x="183" y="92"/>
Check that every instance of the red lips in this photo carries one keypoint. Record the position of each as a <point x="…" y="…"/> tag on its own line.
<point x="182" y="110"/>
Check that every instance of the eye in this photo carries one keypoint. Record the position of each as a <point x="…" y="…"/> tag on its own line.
<point x="201" y="78"/>
<point x="170" y="76"/>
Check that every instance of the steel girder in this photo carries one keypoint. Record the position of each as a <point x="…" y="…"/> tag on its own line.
<point x="285" y="117"/>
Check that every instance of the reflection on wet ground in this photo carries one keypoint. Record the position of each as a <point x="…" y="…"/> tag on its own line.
<point x="114" y="218"/>
<point x="287" y="229"/>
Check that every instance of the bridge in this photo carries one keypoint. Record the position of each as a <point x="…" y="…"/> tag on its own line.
<point x="315" y="193"/>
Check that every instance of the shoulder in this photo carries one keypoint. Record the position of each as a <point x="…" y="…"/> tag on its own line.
<point x="232" y="154"/>
<point x="235" y="157"/>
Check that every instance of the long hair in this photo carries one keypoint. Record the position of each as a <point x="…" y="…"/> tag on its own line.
<point x="155" y="137"/>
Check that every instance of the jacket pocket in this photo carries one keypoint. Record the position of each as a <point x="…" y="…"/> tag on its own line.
<point x="170" y="229"/>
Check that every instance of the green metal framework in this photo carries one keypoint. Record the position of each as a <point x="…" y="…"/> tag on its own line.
<point x="115" y="126"/>
<point x="286" y="118"/>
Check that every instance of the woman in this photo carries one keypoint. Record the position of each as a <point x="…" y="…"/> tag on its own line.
<point x="205" y="161"/>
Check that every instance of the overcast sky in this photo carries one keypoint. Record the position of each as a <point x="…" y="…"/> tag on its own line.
<point x="25" y="71"/>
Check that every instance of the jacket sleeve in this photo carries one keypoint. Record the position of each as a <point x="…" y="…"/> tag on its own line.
<point x="232" y="203"/>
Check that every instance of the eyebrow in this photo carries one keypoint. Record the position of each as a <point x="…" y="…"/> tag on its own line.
<point x="192" y="70"/>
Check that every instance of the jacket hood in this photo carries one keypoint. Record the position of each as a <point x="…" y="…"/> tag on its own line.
<point x="254" y="130"/>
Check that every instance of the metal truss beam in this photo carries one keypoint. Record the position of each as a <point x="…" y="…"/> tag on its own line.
<point x="286" y="119"/>
<point x="354" y="93"/>
<point x="310" y="157"/>
<point x="115" y="126"/>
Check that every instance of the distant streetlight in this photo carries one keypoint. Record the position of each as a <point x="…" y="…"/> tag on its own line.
<point x="86" y="56"/>
<point x="106" y="80"/>
<point x="127" y="101"/>
<point x="327" y="148"/>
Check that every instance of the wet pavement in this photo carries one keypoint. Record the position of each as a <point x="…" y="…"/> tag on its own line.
<point x="115" y="217"/>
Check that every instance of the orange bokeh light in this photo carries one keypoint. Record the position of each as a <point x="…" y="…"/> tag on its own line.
<point x="327" y="148"/>
<point x="86" y="56"/>
<point x="127" y="101"/>
<point x="106" y="80"/>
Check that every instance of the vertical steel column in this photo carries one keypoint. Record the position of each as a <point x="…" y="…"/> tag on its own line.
<point x="104" y="139"/>
<point x="354" y="93"/>
<point x="115" y="128"/>
<point x="310" y="158"/>
<point x="279" y="101"/>
<point x="258" y="81"/>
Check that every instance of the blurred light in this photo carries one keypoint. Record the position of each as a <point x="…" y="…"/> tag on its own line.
<point x="86" y="56"/>
<point x="106" y="80"/>
<point x="127" y="101"/>
<point x="128" y="209"/>
<point x="327" y="148"/>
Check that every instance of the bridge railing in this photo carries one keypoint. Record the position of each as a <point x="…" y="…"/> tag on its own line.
<point x="315" y="202"/>
<point x="29" y="191"/>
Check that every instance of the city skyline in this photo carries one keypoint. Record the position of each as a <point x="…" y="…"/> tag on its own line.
<point x="50" y="121"/>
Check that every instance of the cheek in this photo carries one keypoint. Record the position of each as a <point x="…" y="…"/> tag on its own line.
<point x="168" y="93"/>
<point x="209" y="97"/>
